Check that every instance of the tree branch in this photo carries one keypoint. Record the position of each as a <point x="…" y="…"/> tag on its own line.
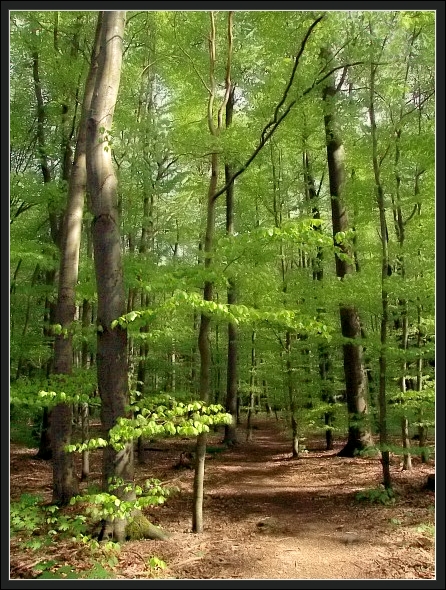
<point x="320" y="184"/>
<point x="341" y="81"/>
<point x="273" y="126"/>
<point x="290" y="81"/>
<point x="415" y="209"/>
<point x="228" y="71"/>
<point x="189" y="58"/>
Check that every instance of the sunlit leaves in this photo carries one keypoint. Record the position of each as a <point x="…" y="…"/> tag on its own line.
<point x="159" y="417"/>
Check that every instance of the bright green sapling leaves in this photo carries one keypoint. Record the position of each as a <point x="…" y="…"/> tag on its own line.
<point x="238" y="314"/>
<point x="107" y="505"/>
<point x="159" y="417"/>
<point x="79" y="387"/>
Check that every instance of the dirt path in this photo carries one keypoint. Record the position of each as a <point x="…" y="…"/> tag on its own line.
<point x="268" y="516"/>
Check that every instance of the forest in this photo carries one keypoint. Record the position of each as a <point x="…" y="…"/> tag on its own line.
<point x="222" y="294"/>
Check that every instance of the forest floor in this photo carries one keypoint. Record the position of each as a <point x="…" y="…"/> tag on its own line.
<point x="266" y="515"/>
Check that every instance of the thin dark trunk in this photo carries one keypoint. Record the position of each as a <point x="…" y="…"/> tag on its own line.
<point x="85" y="429"/>
<point x="21" y="362"/>
<point x="385" y="454"/>
<point x="45" y="449"/>
<point x="318" y="275"/>
<point x="230" y="437"/>
<point x="204" y="348"/>
<point x="407" y="459"/>
<point x="291" y="394"/>
<point x="422" y="430"/>
<point x="203" y="338"/>
<point x="252" y="384"/>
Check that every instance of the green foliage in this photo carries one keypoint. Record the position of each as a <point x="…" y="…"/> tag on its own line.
<point x="40" y="525"/>
<point x="379" y="495"/>
<point x="157" y="417"/>
<point x="51" y="570"/>
<point x="26" y="515"/>
<point x="428" y="529"/>
<point x="238" y="314"/>
<point x="34" y="394"/>
<point x="24" y="425"/>
<point x="107" y="505"/>
<point x="155" y="564"/>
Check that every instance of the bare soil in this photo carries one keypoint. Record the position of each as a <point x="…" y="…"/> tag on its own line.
<point x="266" y="515"/>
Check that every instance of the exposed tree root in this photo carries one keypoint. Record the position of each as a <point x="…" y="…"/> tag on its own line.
<point x="141" y="528"/>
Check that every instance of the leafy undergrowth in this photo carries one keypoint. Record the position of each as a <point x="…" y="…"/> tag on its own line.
<point x="266" y="516"/>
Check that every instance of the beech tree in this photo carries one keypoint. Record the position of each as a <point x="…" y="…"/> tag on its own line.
<point x="102" y="189"/>
<point x="355" y="375"/>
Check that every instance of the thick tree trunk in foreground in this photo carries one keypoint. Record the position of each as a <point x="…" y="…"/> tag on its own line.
<point x="65" y="483"/>
<point x="102" y="188"/>
<point x="359" y="435"/>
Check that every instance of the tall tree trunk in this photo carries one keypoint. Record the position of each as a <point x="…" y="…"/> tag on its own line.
<point x="359" y="435"/>
<point x="318" y="275"/>
<point x="399" y="225"/>
<point x="422" y="430"/>
<point x="203" y="337"/>
<point x="21" y="361"/>
<point x="278" y="215"/>
<point x="112" y="360"/>
<point x="45" y="447"/>
<point x="252" y="384"/>
<point x="65" y="484"/>
<point x="204" y="347"/>
<point x="292" y="397"/>
<point x="230" y="437"/>
<point x="147" y="243"/>
<point x="400" y="233"/>
<point x="86" y="362"/>
<point x="385" y="454"/>
<point x="45" y="451"/>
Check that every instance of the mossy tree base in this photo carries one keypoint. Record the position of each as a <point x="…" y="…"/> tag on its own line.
<point x="141" y="528"/>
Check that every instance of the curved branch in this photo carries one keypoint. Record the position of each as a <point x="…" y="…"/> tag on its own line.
<point x="189" y="57"/>
<point x="290" y="81"/>
<point x="228" y="70"/>
<point x="211" y="75"/>
<point x="272" y="126"/>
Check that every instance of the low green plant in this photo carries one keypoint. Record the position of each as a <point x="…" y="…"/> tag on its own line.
<point x="50" y="571"/>
<point x="27" y="519"/>
<point x="428" y="529"/>
<point x="155" y="565"/>
<point x="107" y="505"/>
<point x="379" y="495"/>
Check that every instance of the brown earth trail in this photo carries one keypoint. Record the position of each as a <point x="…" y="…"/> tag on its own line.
<point x="268" y="516"/>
